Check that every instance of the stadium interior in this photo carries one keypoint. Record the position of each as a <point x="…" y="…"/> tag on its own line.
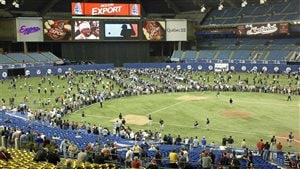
<point x="241" y="35"/>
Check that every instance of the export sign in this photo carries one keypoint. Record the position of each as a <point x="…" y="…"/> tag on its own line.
<point x="176" y="30"/>
<point x="29" y="29"/>
<point x="105" y="9"/>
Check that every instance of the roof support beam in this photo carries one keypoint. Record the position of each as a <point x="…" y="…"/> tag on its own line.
<point x="142" y="7"/>
<point x="231" y="3"/>
<point x="173" y="6"/>
<point x="49" y="6"/>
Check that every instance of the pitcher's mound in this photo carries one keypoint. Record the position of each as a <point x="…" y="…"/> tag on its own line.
<point x="190" y="98"/>
<point x="244" y="115"/>
<point x="134" y="119"/>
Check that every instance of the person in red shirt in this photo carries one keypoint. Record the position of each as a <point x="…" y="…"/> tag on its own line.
<point x="260" y="146"/>
<point x="279" y="148"/>
<point x="135" y="164"/>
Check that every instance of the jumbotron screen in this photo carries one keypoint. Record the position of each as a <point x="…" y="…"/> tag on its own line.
<point x="87" y="30"/>
<point x="126" y="31"/>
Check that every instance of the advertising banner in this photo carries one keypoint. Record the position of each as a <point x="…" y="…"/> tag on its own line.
<point x="176" y="30"/>
<point x="221" y="67"/>
<point x="57" y="30"/>
<point x="105" y="9"/>
<point x="29" y="29"/>
<point x="263" y="29"/>
<point x="154" y="30"/>
<point x="87" y="30"/>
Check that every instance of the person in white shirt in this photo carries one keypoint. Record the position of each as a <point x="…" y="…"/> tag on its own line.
<point x="128" y="158"/>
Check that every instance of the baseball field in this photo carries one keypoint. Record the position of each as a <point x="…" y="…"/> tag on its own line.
<point x="252" y="116"/>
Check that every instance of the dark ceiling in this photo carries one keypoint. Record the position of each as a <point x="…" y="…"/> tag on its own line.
<point x="163" y="7"/>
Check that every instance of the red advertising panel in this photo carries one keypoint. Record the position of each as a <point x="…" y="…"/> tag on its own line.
<point x="97" y="9"/>
<point x="57" y="29"/>
<point x="77" y="8"/>
<point x="106" y="9"/>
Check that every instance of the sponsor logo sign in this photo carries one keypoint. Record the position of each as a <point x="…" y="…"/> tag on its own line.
<point x="176" y="30"/>
<point x="263" y="29"/>
<point x="106" y="9"/>
<point x="29" y="29"/>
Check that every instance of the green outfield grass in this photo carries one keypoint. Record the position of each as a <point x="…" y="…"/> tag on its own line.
<point x="262" y="115"/>
<point x="266" y="115"/>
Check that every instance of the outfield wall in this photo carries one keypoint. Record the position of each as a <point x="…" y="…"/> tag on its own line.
<point x="238" y="67"/>
<point x="57" y="70"/>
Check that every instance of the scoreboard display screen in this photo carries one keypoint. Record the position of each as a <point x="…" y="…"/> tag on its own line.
<point x="154" y="30"/>
<point x="121" y="30"/>
<point x="86" y="30"/>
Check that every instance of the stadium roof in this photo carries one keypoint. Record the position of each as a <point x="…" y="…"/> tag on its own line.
<point x="163" y="8"/>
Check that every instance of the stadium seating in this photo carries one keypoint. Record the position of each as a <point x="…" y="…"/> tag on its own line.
<point x="287" y="11"/>
<point x="20" y="57"/>
<point x="50" y="56"/>
<point x="277" y="55"/>
<point x="189" y="56"/>
<point x="23" y="158"/>
<point x="6" y="60"/>
<point x="176" y="55"/>
<point x="242" y="49"/>
<point x="38" y="57"/>
<point x="207" y="54"/>
<point x="46" y="58"/>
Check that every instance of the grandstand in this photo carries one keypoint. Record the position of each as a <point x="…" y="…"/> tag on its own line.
<point x="32" y="57"/>
<point x="255" y="14"/>
<point x="172" y="61"/>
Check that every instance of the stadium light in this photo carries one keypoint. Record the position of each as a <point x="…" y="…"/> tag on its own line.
<point x="262" y="1"/>
<point x="16" y="4"/>
<point x="3" y="2"/>
<point x="203" y="9"/>
<point x="244" y="3"/>
<point x="220" y="7"/>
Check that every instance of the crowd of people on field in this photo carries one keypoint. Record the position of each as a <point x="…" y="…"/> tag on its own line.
<point x="82" y="89"/>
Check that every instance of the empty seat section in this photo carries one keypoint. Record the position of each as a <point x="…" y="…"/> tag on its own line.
<point x="20" y="57"/>
<point x="292" y="17"/>
<point x="242" y="54"/>
<point x="38" y="57"/>
<point x="207" y="54"/>
<point x="224" y="55"/>
<point x="176" y="55"/>
<point x="190" y="55"/>
<point x="232" y="12"/>
<point x="245" y="20"/>
<point x="277" y="8"/>
<point x="292" y="7"/>
<point x="5" y="60"/>
<point x="276" y="18"/>
<point x="247" y="11"/>
<point x="50" y="56"/>
<point x="263" y="13"/>
<point x="277" y="55"/>
<point x="260" y="19"/>
<point x="230" y="21"/>
<point x="260" y="10"/>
